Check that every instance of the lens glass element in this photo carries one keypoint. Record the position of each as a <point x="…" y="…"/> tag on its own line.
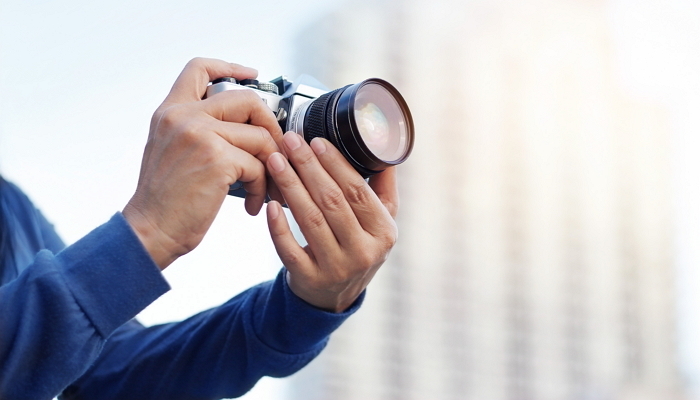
<point x="381" y="122"/>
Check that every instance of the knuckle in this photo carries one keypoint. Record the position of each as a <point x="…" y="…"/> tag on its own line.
<point x="392" y="239"/>
<point x="314" y="218"/>
<point x="189" y="133"/>
<point x="388" y="237"/>
<point x="252" y="99"/>
<point x="258" y="108"/>
<point x="276" y="129"/>
<point x="332" y="199"/>
<point x="366" y="260"/>
<point x="256" y="173"/>
<point x="288" y="182"/>
<point x="392" y="235"/>
<point x="266" y="141"/>
<point x="157" y="115"/>
<point x="289" y="257"/>
<point x="196" y="62"/>
<point x="169" y="118"/>
<point x="303" y="159"/>
<point x="357" y="192"/>
<point x="169" y="122"/>
<point x="258" y="167"/>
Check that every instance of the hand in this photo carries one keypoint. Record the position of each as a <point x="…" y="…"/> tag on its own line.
<point x="197" y="148"/>
<point x="348" y="224"/>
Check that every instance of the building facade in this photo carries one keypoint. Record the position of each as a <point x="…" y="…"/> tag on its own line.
<point x="535" y="253"/>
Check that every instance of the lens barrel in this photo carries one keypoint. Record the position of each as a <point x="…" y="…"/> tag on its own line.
<point x="369" y="122"/>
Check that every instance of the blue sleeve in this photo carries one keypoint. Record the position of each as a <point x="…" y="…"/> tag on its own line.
<point x="57" y="314"/>
<point x="219" y="353"/>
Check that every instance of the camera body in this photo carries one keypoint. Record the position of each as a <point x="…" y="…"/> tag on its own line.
<point x="287" y="106"/>
<point x="369" y="122"/>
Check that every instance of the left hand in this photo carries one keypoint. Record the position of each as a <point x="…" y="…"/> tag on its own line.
<point x="348" y="224"/>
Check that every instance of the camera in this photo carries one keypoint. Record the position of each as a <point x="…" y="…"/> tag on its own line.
<point x="369" y="122"/>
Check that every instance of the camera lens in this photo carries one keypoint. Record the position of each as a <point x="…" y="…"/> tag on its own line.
<point x="381" y="122"/>
<point x="369" y="122"/>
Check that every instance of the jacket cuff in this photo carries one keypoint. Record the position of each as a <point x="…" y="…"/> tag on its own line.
<point x="290" y="325"/>
<point x="111" y="275"/>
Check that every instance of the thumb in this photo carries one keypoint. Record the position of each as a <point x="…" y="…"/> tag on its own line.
<point x="386" y="187"/>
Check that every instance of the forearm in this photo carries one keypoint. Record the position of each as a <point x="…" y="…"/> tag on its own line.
<point x="56" y="316"/>
<point x="219" y="353"/>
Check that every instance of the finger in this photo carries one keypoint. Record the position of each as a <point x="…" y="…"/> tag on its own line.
<point x="248" y="169"/>
<point x="311" y="220"/>
<point x="371" y="214"/>
<point x="292" y="255"/>
<point x="255" y="140"/>
<point x="325" y="192"/>
<point x="192" y="82"/>
<point x="243" y="106"/>
<point x="385" y="185"/>
<point x="274" y="192"/>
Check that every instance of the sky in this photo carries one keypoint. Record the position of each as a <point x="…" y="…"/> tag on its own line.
<point x="80" y="79"/>
<point x="657" y="57"/>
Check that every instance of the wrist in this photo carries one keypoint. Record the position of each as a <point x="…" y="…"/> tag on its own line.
<point x="152" y="238"/>
<point x="324" y="299"/>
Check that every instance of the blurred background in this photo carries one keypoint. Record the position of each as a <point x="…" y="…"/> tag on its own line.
<point x="550" y="220"/>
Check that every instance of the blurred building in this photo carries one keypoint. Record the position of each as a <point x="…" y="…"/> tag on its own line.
<point x="534" y="258"/>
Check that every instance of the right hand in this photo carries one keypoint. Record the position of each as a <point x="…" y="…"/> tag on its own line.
<point x="197" y="148"/>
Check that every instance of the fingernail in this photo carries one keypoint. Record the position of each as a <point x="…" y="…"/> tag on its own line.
<point x="274" y="209"/>
<point x="277" y="162"/>
<point x="292" y="140"/>
<point x="318" y="146"/>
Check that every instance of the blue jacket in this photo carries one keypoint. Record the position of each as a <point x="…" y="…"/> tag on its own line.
<point x="66" y="321"/>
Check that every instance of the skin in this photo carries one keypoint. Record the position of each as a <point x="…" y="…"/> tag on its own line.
<point x="348" y="223"/>
<point x="197" y="148"/>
